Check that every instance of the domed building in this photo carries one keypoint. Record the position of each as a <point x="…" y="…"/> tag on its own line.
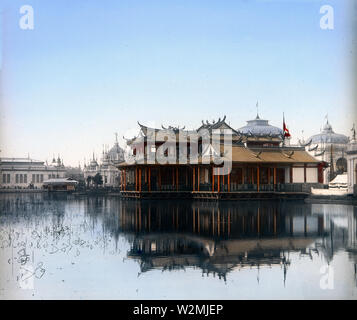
<point x="260" y="133"/>
<point x="116" y="154"/>
<point x="330" y="147"/>
<point x="107" y="168"/>
<point x="352" y="163"/>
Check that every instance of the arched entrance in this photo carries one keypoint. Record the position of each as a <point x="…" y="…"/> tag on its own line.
<point x="341" y="165"/>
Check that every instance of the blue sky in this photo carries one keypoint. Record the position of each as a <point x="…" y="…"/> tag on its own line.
<point x="92" y="68"/>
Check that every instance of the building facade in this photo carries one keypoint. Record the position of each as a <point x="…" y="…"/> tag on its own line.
<point x="331" y="148"/>
<point x="352" y="165"/>
<point x="107" y="167"/>
<point x="28" y="173"/>
<point x="260" y="161"/>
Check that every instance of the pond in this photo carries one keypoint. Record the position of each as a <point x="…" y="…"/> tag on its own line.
<point x="58" y="246"/>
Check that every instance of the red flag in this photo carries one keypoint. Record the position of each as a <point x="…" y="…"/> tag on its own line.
<point x="285" y="129"/>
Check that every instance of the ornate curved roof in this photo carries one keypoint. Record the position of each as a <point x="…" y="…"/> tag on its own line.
<point x="115" y="151"/>
<point x="259" y="127"/>
<point x="328" y="136"/>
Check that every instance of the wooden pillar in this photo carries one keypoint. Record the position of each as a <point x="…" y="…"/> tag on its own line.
<point x="136" y="179"/>
<point x="291" y="174"/>
<point x="229" y="182"/>
<point x="243" y="169"/>
<point x="223" y="179"/>
<point x="198" y="178"/>
<point x="212" y="179"/>
<point x="304" y="173"/>
<point x="149" y="178"/>
<point x="269" y="175"/>
<point x="320" y="173"/>
<point x="124" y="179"/>
<point x="258" y="178"/>
<point x="258" y="221"/>
<point x="218" y="183"/>
<point x="121" y="179"/>
<point x="274" y="173"/>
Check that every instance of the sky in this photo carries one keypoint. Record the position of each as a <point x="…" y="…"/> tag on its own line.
<point x="91" y="68"/>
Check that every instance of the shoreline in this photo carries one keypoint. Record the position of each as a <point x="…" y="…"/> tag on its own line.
<point x="345" y="199"/>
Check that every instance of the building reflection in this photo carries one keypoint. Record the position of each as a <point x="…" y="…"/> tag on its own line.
<point x="218" y="238"/>
<point x="214" y="237"/>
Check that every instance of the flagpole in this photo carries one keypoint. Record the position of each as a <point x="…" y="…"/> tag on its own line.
<point x="283" y="129"/>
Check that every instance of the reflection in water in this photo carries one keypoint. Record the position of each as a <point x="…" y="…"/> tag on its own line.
<point x="52" y="232"/>
<point x="219" y="238"/>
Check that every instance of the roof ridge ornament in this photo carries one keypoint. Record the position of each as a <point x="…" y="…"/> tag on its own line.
<point x="353" y="132"/>
<point x="302" y="144"/>
<point x="313" y="148"/>
<point x="288" y="155"/>
<point x="319" y="154"/>
<point x="257" y="155"/>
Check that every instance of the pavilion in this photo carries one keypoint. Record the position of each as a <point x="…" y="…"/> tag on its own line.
<point x="260" y="163"/>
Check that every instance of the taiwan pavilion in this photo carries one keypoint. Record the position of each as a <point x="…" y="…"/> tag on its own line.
<point x="216" y="161"/>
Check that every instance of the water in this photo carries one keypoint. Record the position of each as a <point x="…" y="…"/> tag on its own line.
<point x="65" y="247"/>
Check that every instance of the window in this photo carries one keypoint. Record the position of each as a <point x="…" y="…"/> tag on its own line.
<point x="17" y="178"/>
<point x="25" y="178"/>
<point x="37" y="178"/>
<point x="41" y="177"/>
<point x="8" y="178"/>
<point x="33" y="179"/>
<point x="4" y="178"/>
<point x="21" y="178"/>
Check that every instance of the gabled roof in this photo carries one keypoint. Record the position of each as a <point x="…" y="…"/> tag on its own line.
<point x="220" y="124"/>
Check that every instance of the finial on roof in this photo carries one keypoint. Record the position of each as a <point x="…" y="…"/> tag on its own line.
<point x="257" y="117"/>
<point x="353" y="133"/>
<point x="326" y="117"/>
